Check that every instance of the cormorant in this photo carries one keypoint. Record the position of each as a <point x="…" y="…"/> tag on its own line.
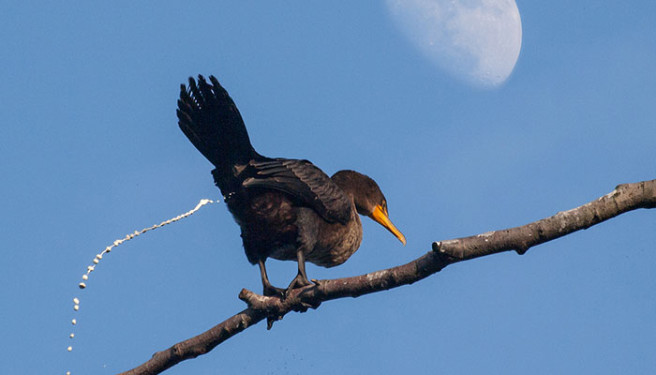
<point x="287" y="209"/>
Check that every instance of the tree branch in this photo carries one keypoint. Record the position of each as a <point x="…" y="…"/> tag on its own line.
<point x="623" y="199"/>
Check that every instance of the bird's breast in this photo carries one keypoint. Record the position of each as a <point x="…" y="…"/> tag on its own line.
<point x="333" y="243"/>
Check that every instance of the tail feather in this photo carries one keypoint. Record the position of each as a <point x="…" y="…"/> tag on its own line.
<point x="210" y="119"/>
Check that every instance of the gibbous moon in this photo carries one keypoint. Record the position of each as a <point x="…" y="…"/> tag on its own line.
<point x="477" y="41"/>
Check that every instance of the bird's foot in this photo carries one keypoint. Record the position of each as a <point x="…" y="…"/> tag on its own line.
<point x="299" y="281"/>
<point x="272" y="291"/>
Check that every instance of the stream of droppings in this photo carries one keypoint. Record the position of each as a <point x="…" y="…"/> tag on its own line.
<point x="99" y="256"/>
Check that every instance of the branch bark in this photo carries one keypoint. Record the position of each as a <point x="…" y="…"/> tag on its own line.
<point x="623" y="199"/>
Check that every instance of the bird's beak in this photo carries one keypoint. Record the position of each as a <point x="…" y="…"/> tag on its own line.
<point x="380" y="216"/>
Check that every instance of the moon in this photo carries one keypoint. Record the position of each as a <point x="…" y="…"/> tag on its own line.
<point x="476" y="41"/>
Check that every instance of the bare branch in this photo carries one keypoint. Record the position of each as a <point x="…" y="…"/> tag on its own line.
<point x="623" y="199"/>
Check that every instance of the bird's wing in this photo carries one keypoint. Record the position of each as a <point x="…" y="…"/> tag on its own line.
<point x="210" y="119"/>
<point x="304" y="181"/>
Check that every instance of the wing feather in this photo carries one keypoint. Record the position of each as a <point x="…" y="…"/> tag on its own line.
<point x="304" y="181"/>
<point x="210" y="119"/>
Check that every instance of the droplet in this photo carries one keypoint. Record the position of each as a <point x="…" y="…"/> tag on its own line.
<point x="98" y="257"/>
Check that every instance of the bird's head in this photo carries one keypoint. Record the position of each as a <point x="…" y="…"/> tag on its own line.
<point x="368" y="199"/>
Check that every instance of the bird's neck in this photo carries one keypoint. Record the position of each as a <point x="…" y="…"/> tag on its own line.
<point x="351" y="183"/>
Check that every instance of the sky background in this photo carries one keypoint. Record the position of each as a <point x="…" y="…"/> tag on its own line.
<point x="90" y="151"/>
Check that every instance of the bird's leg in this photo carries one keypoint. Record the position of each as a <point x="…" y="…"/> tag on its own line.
<point x="269" y="290"/>
<point x="301" y="279"/>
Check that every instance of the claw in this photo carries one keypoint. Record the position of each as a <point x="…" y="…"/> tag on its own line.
<point x="299" y="281"/>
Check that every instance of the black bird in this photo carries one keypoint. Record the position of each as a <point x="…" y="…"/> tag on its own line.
<point x="287" y="209"/>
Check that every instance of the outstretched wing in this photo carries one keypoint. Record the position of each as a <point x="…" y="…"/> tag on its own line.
<point x="304" y="181"/>
<point x="210" y="119"/>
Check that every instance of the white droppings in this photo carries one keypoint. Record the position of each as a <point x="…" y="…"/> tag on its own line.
<point x="98" y="257"/>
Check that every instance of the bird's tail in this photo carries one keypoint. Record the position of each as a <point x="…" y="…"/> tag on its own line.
<point x="210" y="119"/>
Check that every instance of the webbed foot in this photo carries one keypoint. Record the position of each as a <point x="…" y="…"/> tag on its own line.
<point x="299" y="281"/>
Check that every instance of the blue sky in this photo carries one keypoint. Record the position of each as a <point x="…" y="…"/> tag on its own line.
<point x="91" y="151"/>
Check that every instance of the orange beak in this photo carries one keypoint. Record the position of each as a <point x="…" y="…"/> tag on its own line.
<point x="380" y="216"/>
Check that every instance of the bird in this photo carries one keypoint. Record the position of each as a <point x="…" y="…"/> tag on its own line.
<point x="287" y="209"/>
